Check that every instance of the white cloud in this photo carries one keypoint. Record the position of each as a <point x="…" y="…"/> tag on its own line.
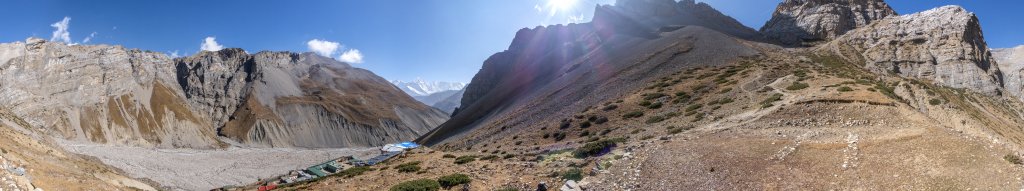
<point x="174" y="54"/>
<point x="61" y="33"/>
<point x="89" y="38"/>
<point x="351" y="56"/>
<point x="323" y="47"/>
<point x="538" y="8"/>
<point x="210" y="44"/>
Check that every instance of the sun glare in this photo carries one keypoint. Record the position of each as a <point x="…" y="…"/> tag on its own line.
<point x="561" y="5"/>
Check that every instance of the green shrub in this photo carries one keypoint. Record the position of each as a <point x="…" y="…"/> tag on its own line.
<point x="594" y="148"/>
<point x="671" y="114"/>
<point x="573" y="174"/>
<point x="886" y="90"/>
<point x="584" y="124"/>
<point x="409" y="167"/>
<point x="771" y="99"/>
<point x="726" y="90"/>
<point x="489" y="157"/>
<point x="675" y="131"/>
<point x="610" y="107"/>
<point x="566" y="123"/>
<point x="645" y="103"/>
<point x="352" y="172"/>
<point x="417" y="185"/>
<point x="633" y="114"/>
<point x="845" y="89"/>
<point x="465" y="159"/>
<point x="559" y="136"/>
<point x="652" y="96"/>
<point x="447" y="182"/>
<point x="797" y="86"/>
<point x="601" y="120"/>
<point x="448" y="156"/>
<point x="655" y="105"/>
<point x="655" y="119"/>
<point x="935" y="101"/>
<point x="1012" y="158"/>
<point x="584" y="133"/>
<point x="693" y="107"/>
<point x="508" y="156"/>
<point x="647" y="137"/>
<point x="725" y="101"/>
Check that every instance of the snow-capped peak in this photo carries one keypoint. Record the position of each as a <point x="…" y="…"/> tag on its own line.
<point x="419" y="87"/>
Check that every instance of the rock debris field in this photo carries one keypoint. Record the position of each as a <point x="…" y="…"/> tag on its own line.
<point x="193" y="169"/>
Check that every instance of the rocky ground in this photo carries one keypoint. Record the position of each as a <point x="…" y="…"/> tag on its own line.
<point x="772" y="122"/>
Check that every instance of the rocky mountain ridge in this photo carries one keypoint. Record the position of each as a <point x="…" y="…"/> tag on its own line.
<point x="1011" y="64"/>
<point x="807" y="22"/>
<point x="108" y="94"/>
<point x="944" y="45"/>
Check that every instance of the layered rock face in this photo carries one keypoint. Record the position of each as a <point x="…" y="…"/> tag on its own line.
<point x="1011" y="64"/>
<point x="101" y="94"/>
<point x="107" y="94"/>
<point x="808" y="22"/>
<point x="944" y="45"/>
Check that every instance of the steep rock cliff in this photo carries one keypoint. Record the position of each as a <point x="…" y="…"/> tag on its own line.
<point x="944" y="45"/>
<point x="808" y="22"/>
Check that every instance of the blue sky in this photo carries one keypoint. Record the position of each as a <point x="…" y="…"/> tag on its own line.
<point x="436" y="40"/>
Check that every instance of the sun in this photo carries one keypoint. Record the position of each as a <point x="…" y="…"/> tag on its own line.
<point x="561" y="5"/>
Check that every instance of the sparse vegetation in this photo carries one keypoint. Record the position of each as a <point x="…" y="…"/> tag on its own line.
<point x="465" y="159"/>
<point x="489" y="157"/>
<point x="417" y="185"/>
<point x="584" y="124"/>
<point x="886" y="90"/>
<point x="655" y="119"/>
<point x="726" y="90"/>
<point x="566" y="123"/>
<point x="447" y="182"/>
<point x="601" y="120"/>
<point x="448" y="156"/>
<point x="352" y="172"/>
<point x="675" y="131"/>
<point x="409" y="167"/>
<point x="595" y="148"/>
<point x="647" y="137"/>
<point x="645" y="103"/>
<point x="655" y="105"/>
<point x="693" y="107"/>
<point x="652" y="96"/>
<point x="610" y="107"/>
<point x="935" y="101"/>
<point x="797" y="86"/>
<point x="768" y="102"/>
<point x="1012" y="158"/>
<point x="845" y="89"/>
<point x="559" y="136"/>
<point x="633" y="114"/>
<point x="573" y="174"/>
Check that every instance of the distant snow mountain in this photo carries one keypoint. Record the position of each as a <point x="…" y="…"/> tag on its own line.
<point x="418" y="87"/>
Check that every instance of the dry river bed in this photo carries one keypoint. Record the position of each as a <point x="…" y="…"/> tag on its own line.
<point x="196" y="169"/>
